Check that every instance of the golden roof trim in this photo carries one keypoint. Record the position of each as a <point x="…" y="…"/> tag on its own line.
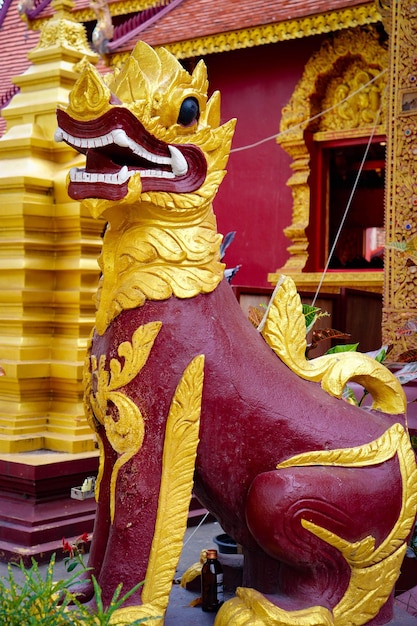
<point x="116" y="8"/>
<point x="330" y="21"/>
<point x="270" y="33"/>
<point x="87" y="14"/>
<point x="273" y="33"/>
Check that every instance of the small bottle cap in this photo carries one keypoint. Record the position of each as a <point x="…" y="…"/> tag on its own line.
<point x="212" y="554"/>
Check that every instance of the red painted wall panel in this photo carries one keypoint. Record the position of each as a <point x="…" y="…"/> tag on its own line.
<point x="254" y="200"/>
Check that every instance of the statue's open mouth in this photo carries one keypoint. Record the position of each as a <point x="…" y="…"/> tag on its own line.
<point x="117" y="146"/>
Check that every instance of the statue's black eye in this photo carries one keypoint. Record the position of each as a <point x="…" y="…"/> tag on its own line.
<point x="189" y="112"/>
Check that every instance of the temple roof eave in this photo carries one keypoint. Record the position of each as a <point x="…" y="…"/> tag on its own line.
<point x="211" y="37"/>
<point x="261" y="35"/>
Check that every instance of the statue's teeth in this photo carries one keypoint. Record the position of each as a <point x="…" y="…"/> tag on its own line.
<point x="123" y="174"/>
<point x="79" y="175"/>
<point x="178" y="163"/>
<point x="156" y="174"/>
<point x="120" y="138"/>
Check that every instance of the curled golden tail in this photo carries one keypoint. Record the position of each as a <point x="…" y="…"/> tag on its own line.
<point x="283" y="328"/>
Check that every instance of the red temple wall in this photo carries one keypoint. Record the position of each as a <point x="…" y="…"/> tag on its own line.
<point x="253" y="199"/>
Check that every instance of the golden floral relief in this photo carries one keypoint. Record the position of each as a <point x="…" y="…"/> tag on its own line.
<point x="125" y="432"/>
<point x="178" y="463"/>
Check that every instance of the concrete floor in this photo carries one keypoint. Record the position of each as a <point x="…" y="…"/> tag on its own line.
<point x="180" y="613"/>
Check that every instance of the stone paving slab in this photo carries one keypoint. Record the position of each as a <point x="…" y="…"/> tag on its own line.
<point x="180" y="613"/>
<point x="401" y="618"/>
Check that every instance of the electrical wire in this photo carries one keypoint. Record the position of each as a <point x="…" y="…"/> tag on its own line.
<point x="196" y="528"/>
<point x="305" y="123"/>
<point x="311" y="119"/>
<point x="346" y="211"/>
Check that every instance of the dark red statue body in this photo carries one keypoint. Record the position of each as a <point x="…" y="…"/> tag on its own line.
<point x="318" y="492"/>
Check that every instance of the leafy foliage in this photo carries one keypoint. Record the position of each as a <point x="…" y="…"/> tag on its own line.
<point x="349" y="395"/>
<point x="407" y="373"/>
<point x="38" y="601"/>
<point x="255" y="315"/>
<point x="312" y="314"/>
<point x="409" y="356"/>
<point x="75" y="552"/>
<point x="323" y="334"/>
<point x="347" y="347"/>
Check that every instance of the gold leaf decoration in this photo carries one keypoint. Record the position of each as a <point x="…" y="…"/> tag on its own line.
<point x="180" y="450"/>
<point x="324" y="80"/>
<point x="374" y="570"/>
<point x="142" y="262"/>
<point x="283" y="328"/>
<point x="192" y="572"/>
<point x="251" y="607"/>
<point x="89" y="93"/>
<point x="125" y="433"/>
<point x="328" y="22"/>
<point x="395" y="441"/>
<point x="144" y="257"/>
<point x="375" y="584"/>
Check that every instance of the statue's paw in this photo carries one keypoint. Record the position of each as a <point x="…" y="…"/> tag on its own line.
<point x="83" y="590"/>
<point x="251" y="607"/>
<point x="131" y="614"/>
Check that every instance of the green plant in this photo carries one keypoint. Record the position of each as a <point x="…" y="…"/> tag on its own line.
<point x="38" y="601"/>
<point x="35" y="600"/>
<point x="75" y="551"/>
<point x="311" y="315"/>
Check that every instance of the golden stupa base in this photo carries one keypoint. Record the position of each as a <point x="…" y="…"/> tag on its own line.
<point x="36" y="508"/>
<point x="77" y="444"/>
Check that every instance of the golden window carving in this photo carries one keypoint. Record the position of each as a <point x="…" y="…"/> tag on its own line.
<point x="351" y="69"/>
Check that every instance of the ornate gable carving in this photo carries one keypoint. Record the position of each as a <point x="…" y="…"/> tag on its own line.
<point x="337" y="73"/>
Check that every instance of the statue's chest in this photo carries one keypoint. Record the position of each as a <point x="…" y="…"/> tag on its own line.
<point x="137" y="364"/>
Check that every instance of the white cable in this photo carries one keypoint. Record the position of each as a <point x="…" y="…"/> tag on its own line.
<point x="196" y="528"/>
<point x="305" y="122"/>
<point x="349" y="202"/>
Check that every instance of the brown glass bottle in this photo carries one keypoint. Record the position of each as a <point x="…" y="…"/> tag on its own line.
<point x="211" y="583"/>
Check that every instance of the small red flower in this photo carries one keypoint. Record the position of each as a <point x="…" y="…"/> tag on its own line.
<point x="67" y="547"/>
<point x="82" y="538"/>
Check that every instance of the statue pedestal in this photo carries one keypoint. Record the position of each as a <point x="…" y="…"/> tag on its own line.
<point x="36" y="508"/>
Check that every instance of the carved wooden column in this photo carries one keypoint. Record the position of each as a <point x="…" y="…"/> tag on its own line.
<point x="399" y="323"/>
